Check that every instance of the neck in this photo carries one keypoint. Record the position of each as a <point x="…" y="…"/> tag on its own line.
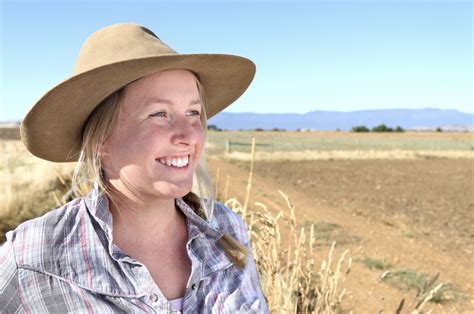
<point x="144" y="220"/>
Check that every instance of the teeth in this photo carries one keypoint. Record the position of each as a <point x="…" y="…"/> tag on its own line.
<point x="176" y="162"/>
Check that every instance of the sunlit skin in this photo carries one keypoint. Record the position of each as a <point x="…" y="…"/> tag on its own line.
<point x="150" y="128"/>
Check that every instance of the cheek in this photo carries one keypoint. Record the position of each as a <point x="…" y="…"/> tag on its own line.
<point x="128" y="147"/>
<point x="143" y="143"/>
<point x="200" y="136"/>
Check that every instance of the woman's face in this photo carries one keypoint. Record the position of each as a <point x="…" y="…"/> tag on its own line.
<point x="159" y="136"/>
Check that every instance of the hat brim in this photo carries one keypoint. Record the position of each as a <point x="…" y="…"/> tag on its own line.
<point x="52" y="129"/>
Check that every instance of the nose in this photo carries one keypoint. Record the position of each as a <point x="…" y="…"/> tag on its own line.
<point x="184" y="133"/>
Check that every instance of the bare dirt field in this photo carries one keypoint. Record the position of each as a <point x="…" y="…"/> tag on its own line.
<point x="414" y="215"/>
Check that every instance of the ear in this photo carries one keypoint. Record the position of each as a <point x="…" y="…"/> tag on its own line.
<point x="102" y="150"/>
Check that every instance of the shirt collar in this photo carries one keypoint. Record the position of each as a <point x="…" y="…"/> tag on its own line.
<point x="211" y="257"/>
<point x="98" y="206"/>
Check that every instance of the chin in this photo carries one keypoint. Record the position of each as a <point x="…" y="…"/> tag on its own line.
<point x="172" y="191"/>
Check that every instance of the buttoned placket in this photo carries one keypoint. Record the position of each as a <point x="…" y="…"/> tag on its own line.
<point x="190" y="295"/>
<point x="153" y="297"/>
<point x="194" y="235"/>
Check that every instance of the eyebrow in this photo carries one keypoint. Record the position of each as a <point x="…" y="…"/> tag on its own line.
<point x="169" y="102"/>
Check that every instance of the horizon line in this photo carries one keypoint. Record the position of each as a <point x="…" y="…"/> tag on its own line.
<point x="18" y="121"/>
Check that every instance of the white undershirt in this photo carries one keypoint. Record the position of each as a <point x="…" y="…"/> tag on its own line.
<point x="177" y="303"/>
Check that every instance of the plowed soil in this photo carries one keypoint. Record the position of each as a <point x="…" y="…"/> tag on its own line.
<point x="416" y="214"/>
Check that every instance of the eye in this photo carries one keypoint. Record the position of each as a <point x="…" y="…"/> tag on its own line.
<point x="159" y="114"/>
<point x="194" y="113"/>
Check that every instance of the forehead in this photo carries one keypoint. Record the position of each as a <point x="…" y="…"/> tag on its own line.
<point x="175" y="85"/>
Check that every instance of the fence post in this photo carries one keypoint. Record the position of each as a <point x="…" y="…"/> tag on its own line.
<point x="227" y="146"/>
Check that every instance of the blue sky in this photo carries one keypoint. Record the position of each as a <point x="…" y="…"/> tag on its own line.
<point x="310" y="55"/>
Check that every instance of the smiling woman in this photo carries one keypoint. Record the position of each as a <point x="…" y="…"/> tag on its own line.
<point x="134" y="116"/>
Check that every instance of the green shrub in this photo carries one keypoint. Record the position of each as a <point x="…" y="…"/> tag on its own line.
<point x="399" y="129"/>
<point x="360" y="128"/>
<point x="381" y="128"/>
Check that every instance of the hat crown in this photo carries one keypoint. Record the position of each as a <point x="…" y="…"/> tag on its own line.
<point x="119" y="42"/>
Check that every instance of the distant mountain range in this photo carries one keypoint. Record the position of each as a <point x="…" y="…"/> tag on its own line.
<point x="408" y="119"/>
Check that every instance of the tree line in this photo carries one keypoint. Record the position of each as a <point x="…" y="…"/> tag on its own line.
<point x="378" y="128"/>
<point x="359" y="128"/>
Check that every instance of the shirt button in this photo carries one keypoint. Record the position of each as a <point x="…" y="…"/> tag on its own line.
<point x="153" y="298"/>
<point x="193" y="286"/>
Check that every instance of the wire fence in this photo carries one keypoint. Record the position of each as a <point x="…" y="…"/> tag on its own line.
<point x="337" y="141"/>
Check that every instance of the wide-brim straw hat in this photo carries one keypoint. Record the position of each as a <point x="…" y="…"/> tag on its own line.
<point x="111" y="58"/>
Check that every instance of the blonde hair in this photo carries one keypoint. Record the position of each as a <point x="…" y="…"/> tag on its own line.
<point x="100" y="125"/>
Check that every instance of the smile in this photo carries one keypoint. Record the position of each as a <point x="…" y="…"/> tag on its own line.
<point x="178" y="162"/>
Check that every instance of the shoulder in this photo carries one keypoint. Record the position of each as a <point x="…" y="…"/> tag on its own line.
<point x="230" y="222"/>
<point x="29" y="246"/>
<point x="50" y="223"/>
<point x="31" y="238"/>
<point x="9" y="296"/>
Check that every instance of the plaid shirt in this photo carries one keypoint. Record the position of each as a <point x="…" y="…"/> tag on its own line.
<point x="65" y="261"/>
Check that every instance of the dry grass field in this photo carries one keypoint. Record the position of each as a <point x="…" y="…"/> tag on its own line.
<point x="399" y="206"/>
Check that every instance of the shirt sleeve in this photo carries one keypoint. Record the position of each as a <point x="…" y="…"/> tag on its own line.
<point x="9" y="286"/>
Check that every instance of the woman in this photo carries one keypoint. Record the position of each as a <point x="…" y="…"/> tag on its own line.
<point x="134" y="117"/>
